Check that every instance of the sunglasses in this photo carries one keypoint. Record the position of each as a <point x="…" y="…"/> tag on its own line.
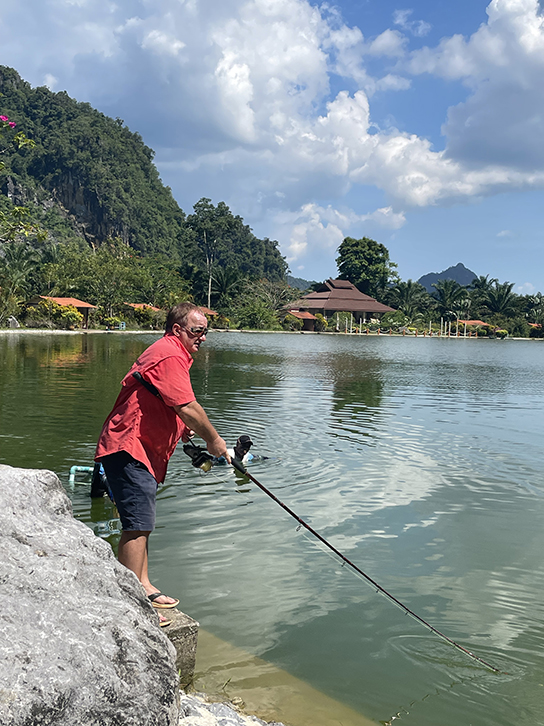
<point x="197" y="332"/>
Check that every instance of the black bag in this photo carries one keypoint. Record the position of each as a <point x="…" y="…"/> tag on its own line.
<point x="99" y="482"/>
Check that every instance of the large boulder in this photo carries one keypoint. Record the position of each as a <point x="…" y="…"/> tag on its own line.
<point x="79" y="641"/>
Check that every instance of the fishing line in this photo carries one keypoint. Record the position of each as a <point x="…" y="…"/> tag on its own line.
<point x="202" y="460"/>
<point x="369" y="580"/>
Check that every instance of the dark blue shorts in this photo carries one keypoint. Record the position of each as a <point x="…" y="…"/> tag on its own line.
<point x="134" y="491"/>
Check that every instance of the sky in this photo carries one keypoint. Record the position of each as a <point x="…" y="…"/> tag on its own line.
<point x="418" y="124"/>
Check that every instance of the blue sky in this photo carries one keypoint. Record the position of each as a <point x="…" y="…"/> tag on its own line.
<point x="417" y="124"/>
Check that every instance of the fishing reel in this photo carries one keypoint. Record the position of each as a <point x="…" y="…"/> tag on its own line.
<point x="200" y="458"/>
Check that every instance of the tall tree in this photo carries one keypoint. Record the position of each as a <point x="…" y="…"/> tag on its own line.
<point x="450" y="297"/>
<point x="410" y="297"/>
<point x="534" y="307"/>
<point x="366" y="264"/>
<point x="500" y="299"/>
<point x="223" y="240"/>
<point x="226" y="283"/>
<point x="478" y="290"/>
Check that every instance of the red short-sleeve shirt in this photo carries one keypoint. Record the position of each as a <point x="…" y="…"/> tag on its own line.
<point x="140" y="423"/>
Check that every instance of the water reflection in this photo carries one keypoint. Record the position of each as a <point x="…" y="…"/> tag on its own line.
<point x="420" y="459"/>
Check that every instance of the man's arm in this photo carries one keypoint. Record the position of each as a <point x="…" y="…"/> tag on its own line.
<point x="194" y="417"/>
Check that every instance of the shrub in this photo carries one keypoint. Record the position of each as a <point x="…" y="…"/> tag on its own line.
<point x="144" y="317"/>
<point x="290" y="322"/>
<point x="320" y="322"/>
<point x="394" y="320"/>
<point x="70" y="317"/>
<point x="112" y="322"/>
<point x="519" y="328"/>
<point x="49" y="314"/>
<point x="501" y="333"/>
<point x="257" y="315"/>
<point x="220" y="321"/>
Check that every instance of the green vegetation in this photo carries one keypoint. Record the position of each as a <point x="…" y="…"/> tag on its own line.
<point x="366" y="264"/>
<point x="83" y="213"/>
<point x="501" y="311"/>
<point x="486" y="300"/>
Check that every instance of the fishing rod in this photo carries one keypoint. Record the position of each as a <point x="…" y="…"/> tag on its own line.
<point x="199" y="455"/>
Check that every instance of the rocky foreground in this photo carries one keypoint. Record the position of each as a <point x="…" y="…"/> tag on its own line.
<point x="196" y="711"/>
<point x="79" y="641"/>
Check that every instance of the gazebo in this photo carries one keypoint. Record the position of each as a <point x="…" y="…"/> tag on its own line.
<point x="335" y="296"/>
<point x="308" y="320"/>
<point x="82" y="307"/>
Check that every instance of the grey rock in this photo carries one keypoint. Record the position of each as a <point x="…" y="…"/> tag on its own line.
<point x="196" y="711"/>
<point x="79" y="641"/>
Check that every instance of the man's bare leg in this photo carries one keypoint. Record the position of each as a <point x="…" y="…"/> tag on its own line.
<point x="132" y="554"/>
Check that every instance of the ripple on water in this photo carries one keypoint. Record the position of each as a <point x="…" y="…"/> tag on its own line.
<point x="420" y="459"/>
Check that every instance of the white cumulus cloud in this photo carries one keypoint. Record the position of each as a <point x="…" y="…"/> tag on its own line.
<point x="502" y="121"/>
<point x="268" y="103"/>
<point x="324" y="228"/>
<point x="419" y="28"/>
<point x="527" y="288"/>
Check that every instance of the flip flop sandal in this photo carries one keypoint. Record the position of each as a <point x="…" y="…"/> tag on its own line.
<point x="164" y="623"/>
<point x="161" y="606"/>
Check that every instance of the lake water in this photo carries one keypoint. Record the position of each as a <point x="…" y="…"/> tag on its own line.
<point x="420" y="459"/>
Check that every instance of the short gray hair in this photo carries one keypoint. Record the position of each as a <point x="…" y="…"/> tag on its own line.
<point x="179" y="314"/>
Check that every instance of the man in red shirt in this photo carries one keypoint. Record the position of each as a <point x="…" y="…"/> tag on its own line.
<point x="141" y="433"/>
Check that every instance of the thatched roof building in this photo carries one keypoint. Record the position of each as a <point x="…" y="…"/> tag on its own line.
<point x="341" y="296"/>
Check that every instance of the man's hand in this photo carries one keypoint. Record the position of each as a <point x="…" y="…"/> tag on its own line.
<point x="194" y="417"/>
<point x="218" y="448"/>
<point x="187" y="435"/>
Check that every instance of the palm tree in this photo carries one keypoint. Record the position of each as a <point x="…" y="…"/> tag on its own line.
<point x="226" y="283"/>
<point x="409" y="297"/>
<point x="482" y="284"/>
<point x="535" y="307"/>
<point x="450" y="297"/>
<point x="500" y="299"/>
<point x="479" y="288"/>
<point x="17" y="264"/>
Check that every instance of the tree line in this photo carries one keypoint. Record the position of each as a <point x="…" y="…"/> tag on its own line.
<point x="113" y="274"/>
<point x="367" y="265"/>
<point x="83" y="213"/>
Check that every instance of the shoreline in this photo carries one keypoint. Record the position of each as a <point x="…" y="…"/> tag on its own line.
<point x="54" y="331"/>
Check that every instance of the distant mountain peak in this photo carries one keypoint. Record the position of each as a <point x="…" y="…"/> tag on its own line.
<point x="458" y="272"/>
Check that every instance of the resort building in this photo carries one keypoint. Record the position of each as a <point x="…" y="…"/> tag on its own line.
<point x="335" y="296"/>
<point x="82" y="307"/>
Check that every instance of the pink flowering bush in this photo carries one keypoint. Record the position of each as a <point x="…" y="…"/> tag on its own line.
<point x="19" y="139"/>
<point x="6" y="122"/>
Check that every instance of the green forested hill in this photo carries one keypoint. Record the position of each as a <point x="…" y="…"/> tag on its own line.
<point x="89" y="176"/>
<point x="83" y="213"/>
<point x="99" y="173"/>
